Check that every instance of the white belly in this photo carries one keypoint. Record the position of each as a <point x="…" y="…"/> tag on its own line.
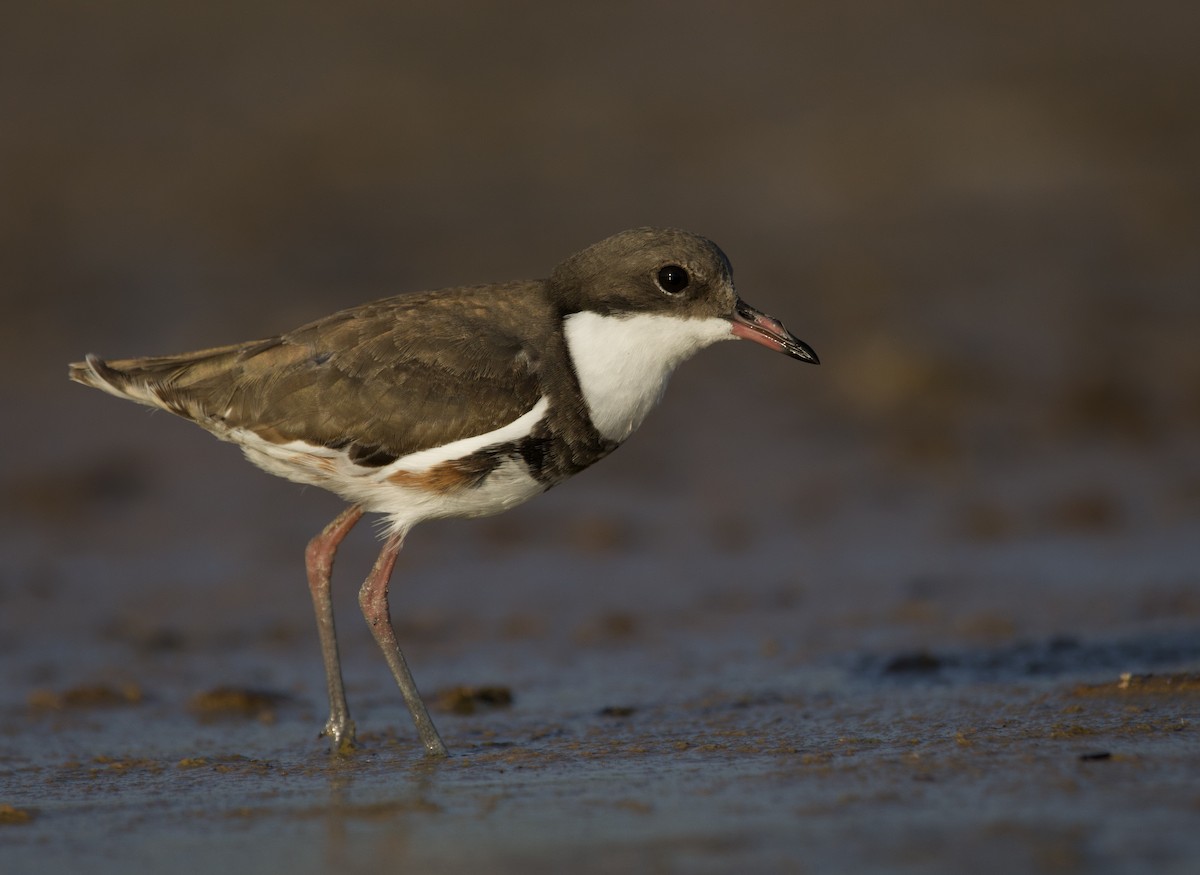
<point x="386" y="489"/>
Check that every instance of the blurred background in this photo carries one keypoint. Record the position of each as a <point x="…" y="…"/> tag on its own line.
<point x="984" y="217"/>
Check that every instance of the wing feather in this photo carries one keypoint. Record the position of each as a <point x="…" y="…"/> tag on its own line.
<point x="388" y="378"/>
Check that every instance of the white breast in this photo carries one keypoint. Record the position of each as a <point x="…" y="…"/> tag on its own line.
<point x="623" y="362"/>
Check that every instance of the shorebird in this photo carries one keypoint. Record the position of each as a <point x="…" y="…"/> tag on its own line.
<point x="462" y="402"/>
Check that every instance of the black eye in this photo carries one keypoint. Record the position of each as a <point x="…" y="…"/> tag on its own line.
<point x="673" y="279"/>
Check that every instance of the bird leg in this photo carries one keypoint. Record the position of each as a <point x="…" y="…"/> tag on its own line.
<point x="373" y="599"/>
<point x="318" y="559"/>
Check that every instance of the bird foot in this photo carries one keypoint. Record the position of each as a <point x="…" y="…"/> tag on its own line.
<point x="341" y="734"/>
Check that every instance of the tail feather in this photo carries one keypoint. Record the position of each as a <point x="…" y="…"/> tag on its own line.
<point x="162" y="381"/>
<point x="96" y="372"/>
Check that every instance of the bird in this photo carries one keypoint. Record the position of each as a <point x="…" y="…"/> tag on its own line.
<point x="461" y="402"/>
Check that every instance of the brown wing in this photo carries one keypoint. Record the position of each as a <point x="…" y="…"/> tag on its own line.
<point x="384" y="379"/>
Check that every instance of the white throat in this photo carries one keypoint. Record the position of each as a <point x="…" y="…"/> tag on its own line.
<point x="623" y="362"/>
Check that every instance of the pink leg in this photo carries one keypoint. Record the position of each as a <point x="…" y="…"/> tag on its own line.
<point x="373" y="599"/>
<point x="318" y="559"/>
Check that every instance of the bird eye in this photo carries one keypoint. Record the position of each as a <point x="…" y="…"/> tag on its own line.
<point x="673" y="279"/>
